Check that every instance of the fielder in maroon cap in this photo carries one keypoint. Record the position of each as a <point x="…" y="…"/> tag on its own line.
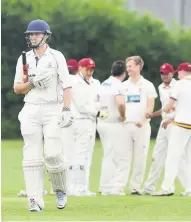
<point x="183" y="69"/>
<point x="163" y="136"/>
<point x="72" y="66"/>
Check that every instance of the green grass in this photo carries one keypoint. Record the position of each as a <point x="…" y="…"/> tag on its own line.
<point x="175" y="208"/>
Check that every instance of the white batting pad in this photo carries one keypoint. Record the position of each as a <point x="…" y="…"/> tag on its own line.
<point x="57" y="172"/>
<point x="78" y="178"/>
<point x="34" y="179"/>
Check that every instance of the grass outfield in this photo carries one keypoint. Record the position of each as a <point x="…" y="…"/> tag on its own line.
<point x="175" y="208"/>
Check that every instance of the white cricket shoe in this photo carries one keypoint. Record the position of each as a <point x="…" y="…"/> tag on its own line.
<point x="88" y="193"/>
<point x="146" y="192"/>
<point x="61" y="200"/>
<point x="163" y="193"/>
<point x="23" y="193"/>
<point x="113" y="194"/>
<point x="33" y="206"/>
<point x="186" y="194"/>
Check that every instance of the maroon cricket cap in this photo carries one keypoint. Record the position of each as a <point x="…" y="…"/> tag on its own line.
<point x="87" y="62"/>
<point x="72" y="64"/>
<point x="185" y="66"/>
<point x="166" y="68"/>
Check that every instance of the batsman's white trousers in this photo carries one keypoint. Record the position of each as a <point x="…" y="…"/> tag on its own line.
<point x="39" y="128"/>
<point x="179" y="145"/>
<point x="137" y="142"/>
<point x="159" y="158"/>
<point x="84" y="131"/>
<point x="114" y="162"/>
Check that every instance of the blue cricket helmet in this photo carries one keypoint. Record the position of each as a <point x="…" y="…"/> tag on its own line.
<point x="38" y="26"/>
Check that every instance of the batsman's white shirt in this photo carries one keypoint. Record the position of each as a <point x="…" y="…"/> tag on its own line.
<point x="109" y="89"/>
<point x="136" y="98"/>
<point x="164" y="93"/>
<point x="53" y="63"/>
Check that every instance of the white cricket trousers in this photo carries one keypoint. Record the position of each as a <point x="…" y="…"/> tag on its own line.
<point x="84" y="131"/>
<point x="137" y="142"/>
<point x="67" y="136"/>
<point x="114" y="161"/>
<point x="179" y="145"/>
<point x="39" y="128"/>
<point x="159" y="158"/>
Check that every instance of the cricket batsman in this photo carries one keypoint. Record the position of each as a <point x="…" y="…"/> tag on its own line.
<point x="43" y="115"/>
<point x="85" y="109"/>
<point x="160" y="150"/>
<point x="180" y="137"/>
<point x="111" y="131"/>
<point x="140" y="100"/>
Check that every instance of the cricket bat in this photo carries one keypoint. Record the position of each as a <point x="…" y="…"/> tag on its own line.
<point x="25" y="70"/>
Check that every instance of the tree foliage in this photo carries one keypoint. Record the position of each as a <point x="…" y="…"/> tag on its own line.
<point x="102" y="30"/>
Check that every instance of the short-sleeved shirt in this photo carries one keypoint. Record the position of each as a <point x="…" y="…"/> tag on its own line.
<point x="84" y="97"/>
<point x="182" y="94"/>
<point x="53" y="63"/>
<point x="109" y="89"/>
<point x="164" y="93"/>
<point x="136" y="96"/>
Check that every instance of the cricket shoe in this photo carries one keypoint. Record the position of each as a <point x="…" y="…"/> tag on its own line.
<point x="88" y="193"/>
<point x="163" y="194"/>
<point x="146" y="192"/>
<point x="61" y="200"/>
<point x="23" y="193"/>
<point x="135" y="192"/>
<point x="113" y="194"/>
<point x="186" y="194"/>
<point x="33" y="206"/>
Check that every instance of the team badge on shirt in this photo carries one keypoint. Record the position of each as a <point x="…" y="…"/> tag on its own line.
<point x="133" y="98"/>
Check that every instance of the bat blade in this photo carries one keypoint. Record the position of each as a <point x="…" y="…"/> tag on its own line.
<point x="25" y="71"/>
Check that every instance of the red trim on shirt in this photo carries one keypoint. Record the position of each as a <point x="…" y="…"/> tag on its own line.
<point x="173" y="98"/>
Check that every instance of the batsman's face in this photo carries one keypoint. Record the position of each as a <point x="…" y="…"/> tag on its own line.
<point x="166" y="77"/>
<point x="87" y="72"/>
<point x="132" y="68"/>
<point x="36" y="38"/>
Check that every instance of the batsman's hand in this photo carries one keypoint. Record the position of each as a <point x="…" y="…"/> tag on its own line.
<point x="103" y="115"/>
<point x="66" y="118"/>
<point x="41" y="81"/>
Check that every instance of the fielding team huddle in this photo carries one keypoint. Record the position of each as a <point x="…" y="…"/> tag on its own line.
<point x="62" y="112"/>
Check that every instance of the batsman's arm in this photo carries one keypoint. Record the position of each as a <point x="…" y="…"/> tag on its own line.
<point x="20" y="86"/>
<point x="64" y="78"/>
<point x="120" y="101"/>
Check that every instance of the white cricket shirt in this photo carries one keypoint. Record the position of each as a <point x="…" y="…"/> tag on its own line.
<point x="53" y="63"/>
<point x="109" y="89"/>
<point x="164" y="93"/>
<point x="182" y="94"/>
<point x="85" y="103"/>
<point x="137" y="95"/>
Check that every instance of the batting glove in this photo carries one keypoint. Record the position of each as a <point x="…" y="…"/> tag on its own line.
<point x="66" y="118"/>
<point x="103" y="115"/>
<point x="41" y="81"/>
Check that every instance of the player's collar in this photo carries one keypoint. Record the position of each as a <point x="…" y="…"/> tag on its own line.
<point x="139" y="82"/>
<point x="171" y="84"/>
<point x="187" y="77"/>
<point x="114" y="79"/>
<point x="46" y="52"/>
